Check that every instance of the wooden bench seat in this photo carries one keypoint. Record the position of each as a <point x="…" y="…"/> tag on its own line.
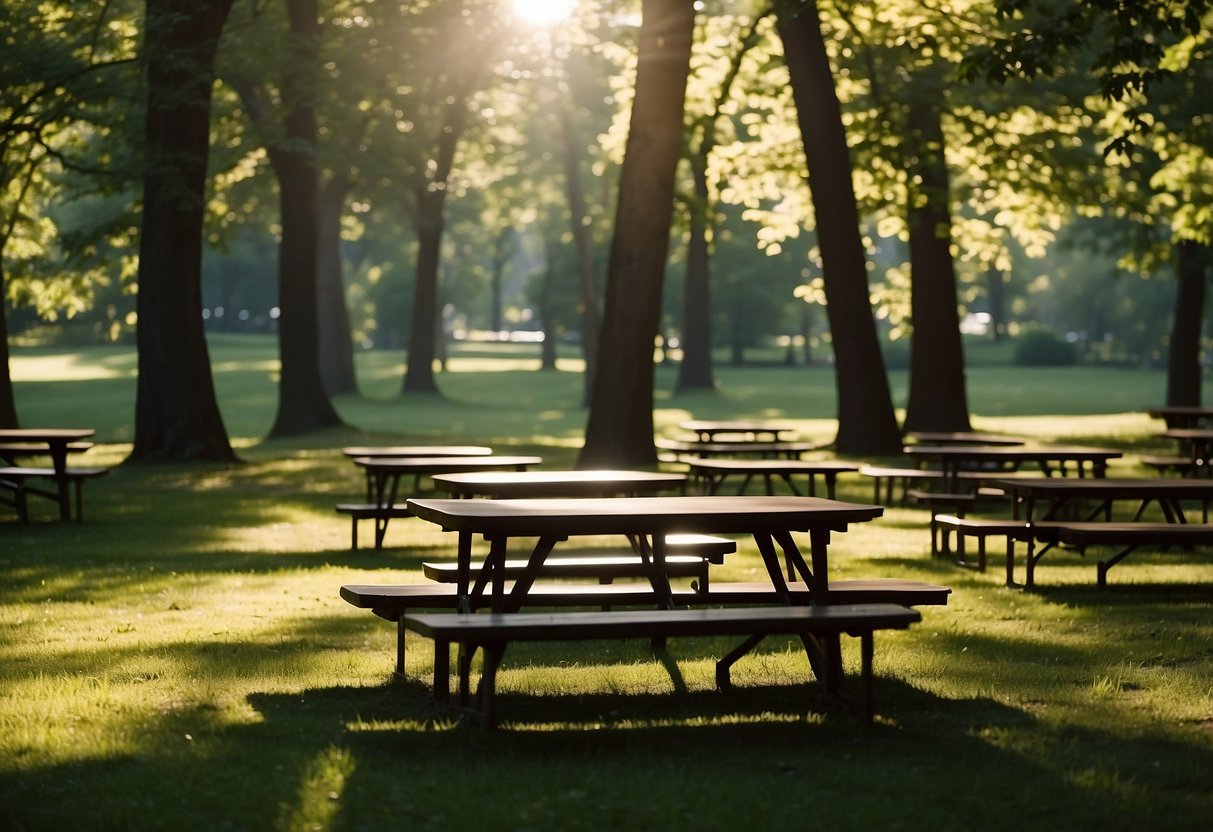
<point x="14" y="478"/>
<point x="370" y="511"/>
<point x="12" y="451"/>
<point x="1181" y="465"/>
<point x="1130" y="536"/>
<point x="493" y="632"/>
<point x="392" y="602"/>
<point x="981" y="528"/>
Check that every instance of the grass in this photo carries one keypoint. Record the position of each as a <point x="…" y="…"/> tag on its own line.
<point x="181" y="660"/>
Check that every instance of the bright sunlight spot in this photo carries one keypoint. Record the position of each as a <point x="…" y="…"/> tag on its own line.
<point x="544" y="12"/>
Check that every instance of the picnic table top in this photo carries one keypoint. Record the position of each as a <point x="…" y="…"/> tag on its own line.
<point x="962" y="438"/>
<point x="416" y="450"/>
<point x="603" y="483"/>
<point x="1011" y="453"/>
<point x="443" y="464"/>
<point x="772" y="466"/>
<point x="48" y="435"/>
<point x="642" y="515"/>
<point x="1120" y="487"/>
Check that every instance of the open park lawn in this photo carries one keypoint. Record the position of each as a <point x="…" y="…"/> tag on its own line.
<point x="181" y="659"/>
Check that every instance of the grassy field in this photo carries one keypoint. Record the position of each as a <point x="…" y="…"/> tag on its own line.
<point x="181" y="660"/>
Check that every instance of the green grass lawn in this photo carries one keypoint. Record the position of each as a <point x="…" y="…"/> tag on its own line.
<point x="181" y="660"/>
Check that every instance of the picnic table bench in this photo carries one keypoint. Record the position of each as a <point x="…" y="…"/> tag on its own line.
<point x="684" y="449"/>
<point x="494" y="632"/>
<point x="1130" y="536"/>
<point x="392" y="602"/>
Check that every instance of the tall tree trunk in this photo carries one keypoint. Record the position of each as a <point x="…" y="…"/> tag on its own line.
<point x="619" y="432"/>
<point x="996" y="299"/>
<point x="303" y="403"/>
<point x="8" y="401"/>
<point x="937" y="400"/>
<point x="866" y="421"/>
<point x="547" y="351"/>
<point x="695" y="370"/>
<point x="1183" y="356"/>
<point x="431" y="221"/>
<point x="502" y="249"/>
<point x="580" y="227"/>
<point x="177" y="416"/>
<point x="336" y="343"/>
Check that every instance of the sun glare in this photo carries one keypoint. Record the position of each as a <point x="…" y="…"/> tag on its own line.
<point x="544" y="12"/>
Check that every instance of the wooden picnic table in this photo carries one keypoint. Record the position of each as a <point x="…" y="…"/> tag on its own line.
<point x="781" y="449"/>
<point x="385" y="474"/>
<point x="417" y="451"/>
<point x="745" y="430"/>
<point x="1051" y="459"/>
<point x="1046" y="499"/>
<point x="770" y="520"/>
<point x="713" y="472"/>
<point x="962" y="438"/>
<point x="56" y="442"/>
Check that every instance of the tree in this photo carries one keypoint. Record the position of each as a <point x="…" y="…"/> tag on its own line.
<point x="63" y="78"/>
<point x="866" y="422"/>
<point x="619" y="431"/>
<point x="695" y="370"/>
<point x="176" y="413"/>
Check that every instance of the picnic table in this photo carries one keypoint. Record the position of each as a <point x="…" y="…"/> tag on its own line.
<point x="1048" y="504"/>
<point x="745" y="430"/>
<point x="773" y="449"/>
<point x="55" y="443"/>
<point x="713" y="472"/>
<point x="1051" y="459"/>
<point x="385" y="474"/>
<point x="771" y="521"/>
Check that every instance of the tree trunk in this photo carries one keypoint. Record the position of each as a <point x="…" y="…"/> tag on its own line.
<point x="177" y="416"/>
<point x="419" y="371"/>
<point x="996" y="298"/>
<point x="303" y="404"/>
<point x="502" y="249"/>
<point x="1183" y="356"/>
<point x="695" y="371"/>
<point x="866" y="422"/>
<point x="579" y="225"/>
<point x="937" y="400"/>
<point x="431" y="206"/>
<point x="8" y="401"/>
<point x="336" y="343"/>
<point x="547" y="350"/>
<point x="619" y="432"/>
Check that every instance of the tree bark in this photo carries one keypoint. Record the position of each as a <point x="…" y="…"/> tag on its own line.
<point x="866" y="421"/>
<point x="996" y="298"/>
<point x="1183" y="355"/>
<point x="336" y="343"/>
<point x="937" y="400"/>
<point x="303" y="404"/>
<point x="619" y="432"/>
<point x="177" y="416"/>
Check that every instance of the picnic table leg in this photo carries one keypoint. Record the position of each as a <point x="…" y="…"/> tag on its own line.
<point x="58" y="453"/>
<point x="774" y="568"/>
